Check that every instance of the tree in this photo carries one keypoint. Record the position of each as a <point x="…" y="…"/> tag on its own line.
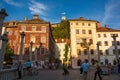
<point x="62" y="30"/>
<point x="66" y="53"/>
<point x="9" y="52"/>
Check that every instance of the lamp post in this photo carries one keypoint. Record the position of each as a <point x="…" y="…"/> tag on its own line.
<point x="3" y="14"/>
<point x="2" y="51"/>
<point x="87" y="45"/>
<point x="31" y="44"/>
<point x="21" y="46"/>
<point x="98" y="44"/>
<point x="115" y="45"/>
<point x="36" y="54"/>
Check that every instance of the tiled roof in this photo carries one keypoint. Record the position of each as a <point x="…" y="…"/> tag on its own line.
<point x="34" y="21"/>
<point x="82" y="19"/>
<point x="106" y="29"/>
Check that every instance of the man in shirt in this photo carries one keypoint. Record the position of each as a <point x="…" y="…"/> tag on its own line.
<point x="85" y="69"/>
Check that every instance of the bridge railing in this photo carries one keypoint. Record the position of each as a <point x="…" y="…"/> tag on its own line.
<point x="8" y="74"/>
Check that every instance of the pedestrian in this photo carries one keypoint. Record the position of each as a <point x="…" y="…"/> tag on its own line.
<point x="81" y="70"/>
<point x="85" y="68"/>
<point x="119" y="67"/>
<point x="98" y="71"/>
<point x="65" y="72"/>
<point x="28" y="66"/>
<point x="19" y="68"/>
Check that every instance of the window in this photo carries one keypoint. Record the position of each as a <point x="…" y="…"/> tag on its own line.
<point x="77" y="41"/>
<point x="90" y="32"/>
<point x="105" y="35"/>
<point x="76" y="23"/>
<point x="101" y="52"/>
<point x="92" y="52"/>
<point x="112" y="42"/>
<point x="83" y="24"/>
<point x="99" y="35"/>
<point x="43" y="39"/>
<point x="78" y="51"/>
<point x="83" y="32"/>
<point x="14" y="43"/>
<point x="23" y="28"/>
<point x="106" y="43"/>
<point x="85" y="51"/>
<point x="84" y="40"/>
<point x="43" y="29"/>
<point x="107" y="52"/>
<point x="71" y="23"/>
<point x="33" y="28"/>
<point x="89" y="24"/>
<point x="91" y="41"/>
<point x="10" y="32"/>
<point x="32" y="39"/>
<point x="77" y="31"/>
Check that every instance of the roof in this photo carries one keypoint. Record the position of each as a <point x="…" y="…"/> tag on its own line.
<point x="82" y="19"/>
<point x="106" y="29"/>
<point x="37" y="21"/>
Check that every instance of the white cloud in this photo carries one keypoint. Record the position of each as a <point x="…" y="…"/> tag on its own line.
<point x="111" y="10"/>
<point x="37" y="8"/>
<point x="12" y="2"/>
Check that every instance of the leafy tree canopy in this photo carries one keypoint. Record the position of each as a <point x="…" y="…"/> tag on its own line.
<point x="62" y="30"/>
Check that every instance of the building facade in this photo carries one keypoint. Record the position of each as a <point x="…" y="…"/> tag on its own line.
<point x="84" y="35"/>
<point x="36" y="30"/>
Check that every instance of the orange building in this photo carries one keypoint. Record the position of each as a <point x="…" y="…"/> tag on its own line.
<point x="36" y="30"/>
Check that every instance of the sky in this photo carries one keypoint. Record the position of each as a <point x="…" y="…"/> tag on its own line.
<point x="107" y="12"/>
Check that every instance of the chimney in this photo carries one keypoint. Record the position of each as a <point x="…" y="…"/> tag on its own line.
<point x="98" y="25"/>
<point x="26" y="18"/>
<point x="35" y="17"/>
<point x="81" y="18"/>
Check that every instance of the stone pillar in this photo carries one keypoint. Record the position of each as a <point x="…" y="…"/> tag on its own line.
<point x="21" y="46"/>
<point x="98" y="51"/>
<point x="115" y="45"/>
<point x="3" y="14"/>
<point x="2" y="51"/>
<point x="30" y="56"/>
<point x="36" y="54"/>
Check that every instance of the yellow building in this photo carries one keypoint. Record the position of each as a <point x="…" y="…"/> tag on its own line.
<point x="84" y="35"/>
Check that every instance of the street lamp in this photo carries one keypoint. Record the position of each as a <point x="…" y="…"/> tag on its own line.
<point x="3" y="14"/>
<point x="31" y="44"/>
<point x="115" y="45"/>
<point x="86" y="45"/>
<point x="98" y="44"/>
<point x="2" y="51"/>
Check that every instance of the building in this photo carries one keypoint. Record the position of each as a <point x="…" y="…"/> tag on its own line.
<point x="84" y="35"/>
<point x="36" y="30"/>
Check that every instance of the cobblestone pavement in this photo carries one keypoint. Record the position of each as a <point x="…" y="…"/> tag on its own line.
<point x="74" y="75"/>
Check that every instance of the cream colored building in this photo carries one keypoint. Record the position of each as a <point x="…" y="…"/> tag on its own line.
<point x="88" y="31"/>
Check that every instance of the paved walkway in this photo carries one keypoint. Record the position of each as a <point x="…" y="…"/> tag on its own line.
<point x="74" y="75"/>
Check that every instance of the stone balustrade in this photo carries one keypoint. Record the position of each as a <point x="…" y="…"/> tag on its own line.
<point x="8" y="74"/>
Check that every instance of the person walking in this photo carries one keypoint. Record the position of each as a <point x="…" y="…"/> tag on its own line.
<point x="19" y="68"/>
<point x="119" y="67"/>
<point x="65" y="72"/>
<point x="98" y="71"/>
<point x="28" y="66"/>
<point x="85" y="68"/>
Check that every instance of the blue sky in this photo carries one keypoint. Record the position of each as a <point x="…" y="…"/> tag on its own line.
<point x="105" y="11"/>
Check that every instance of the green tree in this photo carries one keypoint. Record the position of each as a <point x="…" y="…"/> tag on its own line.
<point x="9" y="52"/>
<point x="62" y="30"/>
<point x="66" y="53"/>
